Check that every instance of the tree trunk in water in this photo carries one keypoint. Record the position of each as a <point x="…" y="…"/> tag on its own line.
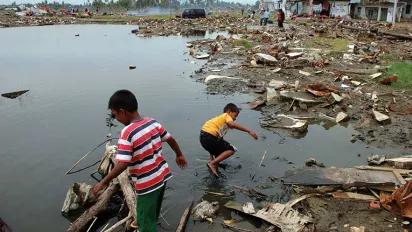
<point x="128" y="191"/>
<point x="100" y="206"/>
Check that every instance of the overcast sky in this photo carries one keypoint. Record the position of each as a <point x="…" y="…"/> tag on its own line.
<point x="82" y="1"/>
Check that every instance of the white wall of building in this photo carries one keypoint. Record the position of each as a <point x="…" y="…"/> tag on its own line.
<point x="407" y="11"/>
<point x="339" y="8"/>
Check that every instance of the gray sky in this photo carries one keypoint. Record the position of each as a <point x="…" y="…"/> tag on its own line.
<point x="82" y="1"/>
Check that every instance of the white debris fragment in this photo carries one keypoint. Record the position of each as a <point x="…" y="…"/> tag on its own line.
<point x="373" y="76"/>
<point x="304" y="73"/>
<point x="336" y="97"/>
<point x="341" y="117"/>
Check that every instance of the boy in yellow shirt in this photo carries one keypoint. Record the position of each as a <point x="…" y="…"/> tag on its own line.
<point x="211" y="136"/>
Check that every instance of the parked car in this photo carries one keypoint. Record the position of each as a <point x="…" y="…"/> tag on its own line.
<point x="194" y="13"/>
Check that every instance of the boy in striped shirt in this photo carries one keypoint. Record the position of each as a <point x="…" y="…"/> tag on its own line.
<point x="140" y="150"/>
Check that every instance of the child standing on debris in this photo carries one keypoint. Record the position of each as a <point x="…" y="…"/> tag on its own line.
<point x="211" y="136"/>
<point x="281" y="18"/>
<point x="140" y="150"/>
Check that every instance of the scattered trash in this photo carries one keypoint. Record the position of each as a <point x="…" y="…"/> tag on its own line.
<point x="277" y="84"/>
<point x="276" y="70"/>
<point x="357" y="229"/>
<point x="282" y="216"/>
<point x="132" y="67"/>
<point x="79" y="195"/>
<point x="375" y="205"/>
<point x="381" y="118"/>
<point x="286" y="122"/>
<point x="211" y="77"/>
<point x="134" y="31"/>
<point x="400" y="200"/>
<point x="13" y="95"/>
<point x="341" y="117"/>
<point x="336" y="97"/>
<point x="266" y="59"/>
<point x="319" y="89"/>
<point x="293" y="55"/>
<point x="388" y="80"/>
<point x="248" y="208"/>
<point x="204" y="210"/>
<point x="376" y="75"/>
<point x="304" y="73"/>
<point x="270" y="93"/>
<point x="376" y="159"/>
<point x="300" y="96"/>
<point x="202" y="56"/>
<point x="312" y="162"/>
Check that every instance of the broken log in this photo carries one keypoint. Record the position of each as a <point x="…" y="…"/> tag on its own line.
<point x="128" y="191"/>
<point x="100" y="206"/>
<point x="395" y="35"/>
<point x="183" y="220"/>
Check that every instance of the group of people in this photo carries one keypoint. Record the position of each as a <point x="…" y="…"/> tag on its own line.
<point x="264" y="16"/>
<point x="140" y="151"/>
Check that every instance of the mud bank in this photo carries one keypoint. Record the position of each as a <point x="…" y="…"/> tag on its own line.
<point x="315" y="75"/>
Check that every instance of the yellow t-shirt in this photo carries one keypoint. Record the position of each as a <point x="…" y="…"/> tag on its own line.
<point x="217" y="126"/>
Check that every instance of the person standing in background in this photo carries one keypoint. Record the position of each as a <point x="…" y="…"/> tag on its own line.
<point x="281" y="18"/>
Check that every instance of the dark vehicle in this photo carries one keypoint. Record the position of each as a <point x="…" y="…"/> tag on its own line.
<point x="194" y="13"/>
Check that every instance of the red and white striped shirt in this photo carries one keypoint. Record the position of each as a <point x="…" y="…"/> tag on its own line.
<point x="140" y="145"/>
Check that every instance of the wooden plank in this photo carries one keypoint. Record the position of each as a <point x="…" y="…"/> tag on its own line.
<point x="346" y="177"/>
<point x="401" y="171"/>
<point x="356" y="196"/>
<point x="400" y="178"/>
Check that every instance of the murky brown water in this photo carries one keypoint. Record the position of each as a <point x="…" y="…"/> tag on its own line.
<point x="63" y="117"/>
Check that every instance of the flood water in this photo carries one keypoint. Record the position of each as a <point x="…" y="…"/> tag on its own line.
<point x="70" y="78"/>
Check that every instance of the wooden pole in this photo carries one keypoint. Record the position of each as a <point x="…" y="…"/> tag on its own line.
<point x="128" y="191"/>
<point x="182" y="225"/>
<point x="88" y="153"/>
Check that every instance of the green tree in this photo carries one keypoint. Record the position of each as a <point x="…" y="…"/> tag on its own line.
<point x="98" y="3"/>
<point x="125" y="3"/>
<point x="257" y="4"/>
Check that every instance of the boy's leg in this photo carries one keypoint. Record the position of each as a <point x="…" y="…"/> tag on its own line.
<point x="160" y="200"/>
<point x="211" y="157"/>
<point x="147" y="210"/>
<point x="226" y="150"/>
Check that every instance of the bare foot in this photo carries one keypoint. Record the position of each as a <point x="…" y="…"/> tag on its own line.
<point x="134" y="225"/>
<point x="212" y="168"/>
<point x="210" y="157"/>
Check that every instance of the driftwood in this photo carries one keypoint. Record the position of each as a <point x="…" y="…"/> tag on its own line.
<point x="13" y="95"/>
<point x="127" y="189"/>
<point x="100" y="206"/>
<point x="183" y="220"/>
<point x="236" y="229"/>
<point x="119" y="223"/>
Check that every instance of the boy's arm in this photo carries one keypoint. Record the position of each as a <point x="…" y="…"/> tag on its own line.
<point x="180" y="159"/>
<point x="118" y="168"/>
<point x="241" y="128"/>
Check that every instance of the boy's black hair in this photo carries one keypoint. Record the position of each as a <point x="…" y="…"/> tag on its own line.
<point x="123" y="99"/>
<point x="231" y="107"/>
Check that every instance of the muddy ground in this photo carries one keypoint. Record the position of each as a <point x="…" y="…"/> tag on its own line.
<point x="348" y="77"/>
